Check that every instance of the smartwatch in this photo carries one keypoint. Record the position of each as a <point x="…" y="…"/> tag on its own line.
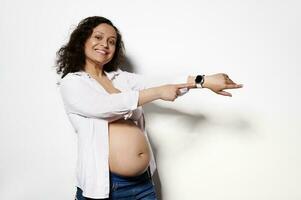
<point x="199" y="80"/>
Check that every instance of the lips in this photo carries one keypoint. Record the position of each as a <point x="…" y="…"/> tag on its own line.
<point x="103" y="52"/>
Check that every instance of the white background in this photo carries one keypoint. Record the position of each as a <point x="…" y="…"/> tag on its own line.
<point x="207" y="146"/>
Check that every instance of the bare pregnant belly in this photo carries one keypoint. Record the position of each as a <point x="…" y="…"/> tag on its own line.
<point x="129" y="153"/>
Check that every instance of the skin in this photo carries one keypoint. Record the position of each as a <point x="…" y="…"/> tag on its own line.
<point x="129" y="152"/>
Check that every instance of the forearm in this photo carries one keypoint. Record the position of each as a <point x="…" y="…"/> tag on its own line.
<point x="190" y="79"/>
<point x="148" y="95"/>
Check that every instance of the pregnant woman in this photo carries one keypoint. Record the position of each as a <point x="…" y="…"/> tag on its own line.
<point x="104" y="105"/>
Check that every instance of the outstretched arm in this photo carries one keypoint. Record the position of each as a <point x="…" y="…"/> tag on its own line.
<point x="169" y="92"/>
<point x="216" y="83"/>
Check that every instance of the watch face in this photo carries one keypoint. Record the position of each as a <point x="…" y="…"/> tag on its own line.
<point x="198" y="79"/>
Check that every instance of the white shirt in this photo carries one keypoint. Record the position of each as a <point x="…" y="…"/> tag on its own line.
<point x="90" y="108"/>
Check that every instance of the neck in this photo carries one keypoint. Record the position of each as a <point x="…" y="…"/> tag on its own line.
<point x="94" y="69"/>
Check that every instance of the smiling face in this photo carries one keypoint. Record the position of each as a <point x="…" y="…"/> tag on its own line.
<point x="100" y="46"/>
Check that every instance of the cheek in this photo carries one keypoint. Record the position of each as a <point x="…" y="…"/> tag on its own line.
<point x="88" y="52"/>
<point x="113" y="51"/>
<point x="89" y="44"/>
<point x="87" y="47"/>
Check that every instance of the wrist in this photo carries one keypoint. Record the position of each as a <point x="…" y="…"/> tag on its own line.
<point x="157" y="92"/>
<point x="191" y="79"/>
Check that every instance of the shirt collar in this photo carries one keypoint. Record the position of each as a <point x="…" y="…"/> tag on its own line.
<point x="111" y="75"/>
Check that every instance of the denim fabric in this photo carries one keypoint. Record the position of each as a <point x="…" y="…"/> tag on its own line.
<point x="128" y="188"/>
<point x="79" y="195"/>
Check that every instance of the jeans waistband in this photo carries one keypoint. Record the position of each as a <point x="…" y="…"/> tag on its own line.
<point x="119" y="178"/>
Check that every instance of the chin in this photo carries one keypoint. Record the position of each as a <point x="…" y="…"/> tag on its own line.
<point x="101" y="62"/>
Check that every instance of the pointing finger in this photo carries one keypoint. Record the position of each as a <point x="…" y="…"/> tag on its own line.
<point x="185" y="85"/>
<point x="233" y="86"/>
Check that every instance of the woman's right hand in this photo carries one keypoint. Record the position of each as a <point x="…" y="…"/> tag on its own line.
<point x="170" y="92"/>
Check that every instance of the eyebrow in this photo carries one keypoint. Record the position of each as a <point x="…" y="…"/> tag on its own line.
<point x="103" y="33"/>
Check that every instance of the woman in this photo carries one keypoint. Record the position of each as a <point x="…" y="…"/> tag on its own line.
<point x="104" y="105"/>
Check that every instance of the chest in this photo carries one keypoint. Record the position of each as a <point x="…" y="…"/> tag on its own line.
<point x="108" y="86"/>
<point x="111" y="86"/>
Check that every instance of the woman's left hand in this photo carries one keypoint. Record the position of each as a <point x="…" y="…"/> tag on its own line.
<point x="218" y="82"/>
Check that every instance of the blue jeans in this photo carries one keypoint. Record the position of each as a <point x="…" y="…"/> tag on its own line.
<point x="128" y="188"/>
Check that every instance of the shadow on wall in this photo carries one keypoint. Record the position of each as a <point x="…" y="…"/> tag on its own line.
<point x="127" y="65"/>
<point x="191" y="122"/>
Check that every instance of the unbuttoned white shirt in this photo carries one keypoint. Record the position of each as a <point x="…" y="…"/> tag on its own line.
<point x="90" y="108"/>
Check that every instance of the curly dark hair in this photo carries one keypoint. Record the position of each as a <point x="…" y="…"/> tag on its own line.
<point x="71" y="56"/>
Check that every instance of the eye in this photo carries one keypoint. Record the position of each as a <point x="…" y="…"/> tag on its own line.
<point x="99" y="37"/>
<point x="112" y="42"/>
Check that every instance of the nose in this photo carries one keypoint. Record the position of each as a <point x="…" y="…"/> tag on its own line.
<point x="104" y="43"/>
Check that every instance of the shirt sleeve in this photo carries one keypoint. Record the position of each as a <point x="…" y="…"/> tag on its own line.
<point x="81" y="98"/>
<point x="140" y="82"/>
